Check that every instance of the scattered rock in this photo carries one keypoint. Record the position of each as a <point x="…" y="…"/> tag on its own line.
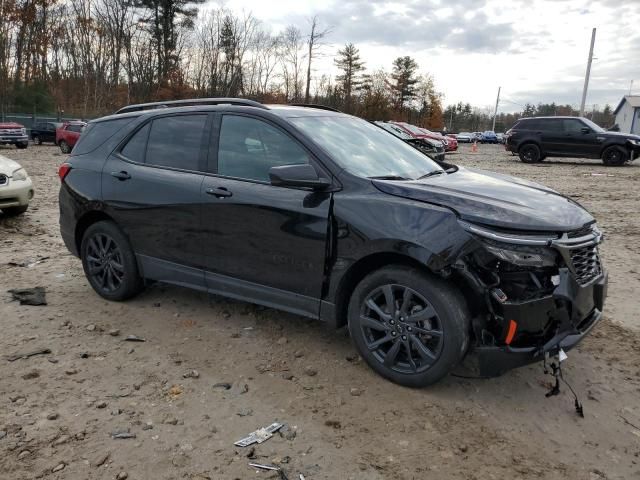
<point x="122" y="435"/>
<point x="58" y="467"/>
<point x="225" y="386"/>
<point x="52" y="360"/>
<point x="283" y="341"/>
<point x="61" y="440"/>
<point x="463" y="448"/>
<point x="288" y="376"/>
<point x="287" y="432"/>
<point x="236" y="335"/>
<point x="134" y="338"/>
<point x="114" y="333"/>
<point x="298" y="354"/>
<point x="226" y="314"/>
<point x="191" y="374"/>
<point x="71" y="371"/>
<point x="84" y="355"/>
<point x="100" y="460"/>
<point x="2" y="434"/>
<point x="29" y="296"/>
<point x="179" y="461"/>
<point x="333" y="424"/>
<point x="175" y="391"/>
<point x="101" y="404"/>
<point x="122" y="476"/>
<point x="147" y="426"/>
<point x="245" y="412"/>
<point x="170" y="421"/>
<point x="91" y="328"/>
<point x="309" y="370"/>
<point x="355" y="392"/>
<point x="31" y="375"/>
<point x="240" y="388"/>
<point x="23" y="454"/>
<point x="53" y="416"/>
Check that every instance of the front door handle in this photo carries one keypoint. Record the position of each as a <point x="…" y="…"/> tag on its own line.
<point x="122" y="175"/>
<point x="219" y="192"/>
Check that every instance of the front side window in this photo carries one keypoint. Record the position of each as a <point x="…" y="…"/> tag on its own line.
<point x="573" y="126"/>
<point x="363" y="149"/>
<point x="176" y="141"/>
<point x="248" y="148"/>
<point x="75" y="128"/>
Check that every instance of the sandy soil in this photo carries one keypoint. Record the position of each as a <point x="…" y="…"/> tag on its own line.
<point x="58" y="411"/>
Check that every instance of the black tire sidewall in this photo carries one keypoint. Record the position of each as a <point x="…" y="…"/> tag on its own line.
<point x="535" y="148"/>
<point x="14" y="211"/>
<point x="623" y="156"/>
<point x="37" y="140"/>
<point x="64" y="147"/>
<point x="451" y="310"/>
<point x="131" y="282"/>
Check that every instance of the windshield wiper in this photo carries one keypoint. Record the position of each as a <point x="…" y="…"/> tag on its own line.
<point x="388" y="177"/>
<point x="431" y="174"/>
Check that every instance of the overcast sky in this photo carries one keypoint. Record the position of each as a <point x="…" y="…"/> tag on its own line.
<point x="535" y="49"/>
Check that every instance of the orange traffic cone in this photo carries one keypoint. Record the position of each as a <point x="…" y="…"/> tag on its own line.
<point x="474" y="147"/>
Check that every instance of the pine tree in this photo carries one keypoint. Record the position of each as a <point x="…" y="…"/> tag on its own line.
<point x="404" y="75"/>
<point x="348" y="61"/>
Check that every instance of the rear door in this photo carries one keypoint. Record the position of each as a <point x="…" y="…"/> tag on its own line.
<point x="262" y="242"/>
<point x="152" y="187"/>
<point x="552" y="135"/>
<point x="49" y="132"/>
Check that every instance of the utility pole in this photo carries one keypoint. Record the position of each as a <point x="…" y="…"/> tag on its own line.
<point x="631" y="88"/>
<point x="586" y="77"/>
<point x="495" y="113"/>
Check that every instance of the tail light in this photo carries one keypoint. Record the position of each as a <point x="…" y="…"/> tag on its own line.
<point x="64" y="170"/>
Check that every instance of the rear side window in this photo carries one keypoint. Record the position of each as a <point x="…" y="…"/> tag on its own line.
<point x="176" y="141"/>
<point x="136" y="146"/>
<point x="96" y="133"/>
<point x="248" y="148"/>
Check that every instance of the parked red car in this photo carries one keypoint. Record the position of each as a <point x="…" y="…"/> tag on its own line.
<point x="418" y="132"/>
<point x="12" y="133"/>
<point x="452" y="141"/>
<point x="68" y="134"/>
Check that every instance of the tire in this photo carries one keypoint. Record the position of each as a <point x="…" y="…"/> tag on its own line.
<point x="420" y="342"/>
<point x="615" y="156"/>
<point x="37" y="140"/>
<point x="109" y="262"/>
<point x="15" y="211"/>
<point x="64" y="147"/>
<point x="529" y="153"/>
<point x="22" y="146"/>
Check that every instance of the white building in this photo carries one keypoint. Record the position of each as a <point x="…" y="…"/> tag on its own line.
<point x="628" y="114"/>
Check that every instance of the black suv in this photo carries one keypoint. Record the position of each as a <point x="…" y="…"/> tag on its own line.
<point x="44" y="132"/>
<point x="325" y="215"/>
<point x="536" y="138"/>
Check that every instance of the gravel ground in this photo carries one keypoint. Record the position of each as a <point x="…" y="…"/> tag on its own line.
<point x="59" y="411"/>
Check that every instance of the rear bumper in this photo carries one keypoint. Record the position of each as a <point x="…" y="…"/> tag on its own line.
<point x="585" y="311"/>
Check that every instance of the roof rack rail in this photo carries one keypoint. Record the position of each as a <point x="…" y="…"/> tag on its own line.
<point x="189" y="103"/>
<point x="315" y="105"/>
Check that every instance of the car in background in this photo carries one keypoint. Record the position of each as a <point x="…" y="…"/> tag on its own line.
<point x="452" y="142"/>
<point x="465" y="137"/>
<point x="477" y="136"/>
<point x="67" y="135"/>
<point x="12" y="133"/>
<point x="418" y="132"/>
<point x="44" y="132"/>
<point x="16" y="189"/>
<point x="434" y="149"/>
<point x="536" y="138"/>
<point x="489" y="137"/>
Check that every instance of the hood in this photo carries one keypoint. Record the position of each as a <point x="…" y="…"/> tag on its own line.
<point x="618" y="135"/>
<point x="8" y="166"/>
<point x="11" y="125"/>
<point x="493" y="199"/>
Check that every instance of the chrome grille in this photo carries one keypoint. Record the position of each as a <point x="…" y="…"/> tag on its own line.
<point x="3" y="179"/>
<point x="10" y="131"/>
<point x="586" y="263"/>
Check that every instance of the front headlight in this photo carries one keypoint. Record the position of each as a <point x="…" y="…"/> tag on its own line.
<point x="634" y="142"/>
<point x="20" y="174"/>
<point x="23" y="131"/>
<point x="521" y="255"/>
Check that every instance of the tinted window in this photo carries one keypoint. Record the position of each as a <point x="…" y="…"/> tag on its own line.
<point x="95" y="134"/>
<point x="573" y="126"/>
<point x="75" y="128"/>
<point x="135" y="147"/>
<point x="176" y="141"/>
<point x="248" y="148"/>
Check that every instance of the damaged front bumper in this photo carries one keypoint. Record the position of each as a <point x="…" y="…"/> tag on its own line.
<point x="586" y="303"/>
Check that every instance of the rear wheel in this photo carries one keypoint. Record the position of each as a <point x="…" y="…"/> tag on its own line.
<point x="529" y="153"/>
<point x="109" y="262"/>
<point x="409" y="327"/>
<point x="615" y="156"/>
<point x="14" y="211"/>
<point x="64" y="147"/>
<point x="37" y="140"/>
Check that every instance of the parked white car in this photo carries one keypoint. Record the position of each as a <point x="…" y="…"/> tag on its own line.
<point x="465" y="137"/>
<point x="16" y="188"/>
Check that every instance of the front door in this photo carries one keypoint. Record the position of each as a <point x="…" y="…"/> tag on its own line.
<point x="152" y="188"/>
<point x="579" y="138"/>
<point x="263" y="243"/>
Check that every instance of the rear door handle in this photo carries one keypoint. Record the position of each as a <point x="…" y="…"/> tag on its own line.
<point x="121" y="175"/>
<point x="219" y="192"/>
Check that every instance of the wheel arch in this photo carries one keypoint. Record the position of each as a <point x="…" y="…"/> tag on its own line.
<point x="85" y="222"/>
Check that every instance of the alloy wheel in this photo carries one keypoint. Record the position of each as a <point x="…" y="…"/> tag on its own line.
<point x="105" y="262"/>
<point x="401" y="329"/>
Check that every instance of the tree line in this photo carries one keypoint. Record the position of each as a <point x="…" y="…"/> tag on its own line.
<point x="89" y="57"/>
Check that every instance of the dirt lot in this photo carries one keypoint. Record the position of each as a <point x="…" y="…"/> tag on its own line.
<point x="58" y="411"/>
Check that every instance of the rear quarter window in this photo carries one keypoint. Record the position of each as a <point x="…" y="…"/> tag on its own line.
<point x="95" y="134"/>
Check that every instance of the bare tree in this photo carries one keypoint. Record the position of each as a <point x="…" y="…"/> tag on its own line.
<point x="314" y="43"/>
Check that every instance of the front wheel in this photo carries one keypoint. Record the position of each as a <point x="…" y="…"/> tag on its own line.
<point x="615" y="156"/>
<point x="22" y="146"/>
<point x="409" y="327"/>
<point x="15" y="211"/>
<point x="64" y="147"/>
<point x="529" y="153"/>
<point x="37" y="140"/>
<point x="109" y="262"/>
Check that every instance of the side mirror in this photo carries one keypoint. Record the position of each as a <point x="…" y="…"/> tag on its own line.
<point x="585" y="130"/>
<point x="303" y="175"/>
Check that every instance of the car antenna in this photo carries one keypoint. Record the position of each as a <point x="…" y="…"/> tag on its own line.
<point x="556" y="371"/>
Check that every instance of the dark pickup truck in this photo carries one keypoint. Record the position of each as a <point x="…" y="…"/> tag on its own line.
<point x="44" y="132"/>
<point x="536" y="138"/>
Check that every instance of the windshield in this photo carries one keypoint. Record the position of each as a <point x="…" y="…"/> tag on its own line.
<point x="364" y="149"/>
<point x="594" y="127"/>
